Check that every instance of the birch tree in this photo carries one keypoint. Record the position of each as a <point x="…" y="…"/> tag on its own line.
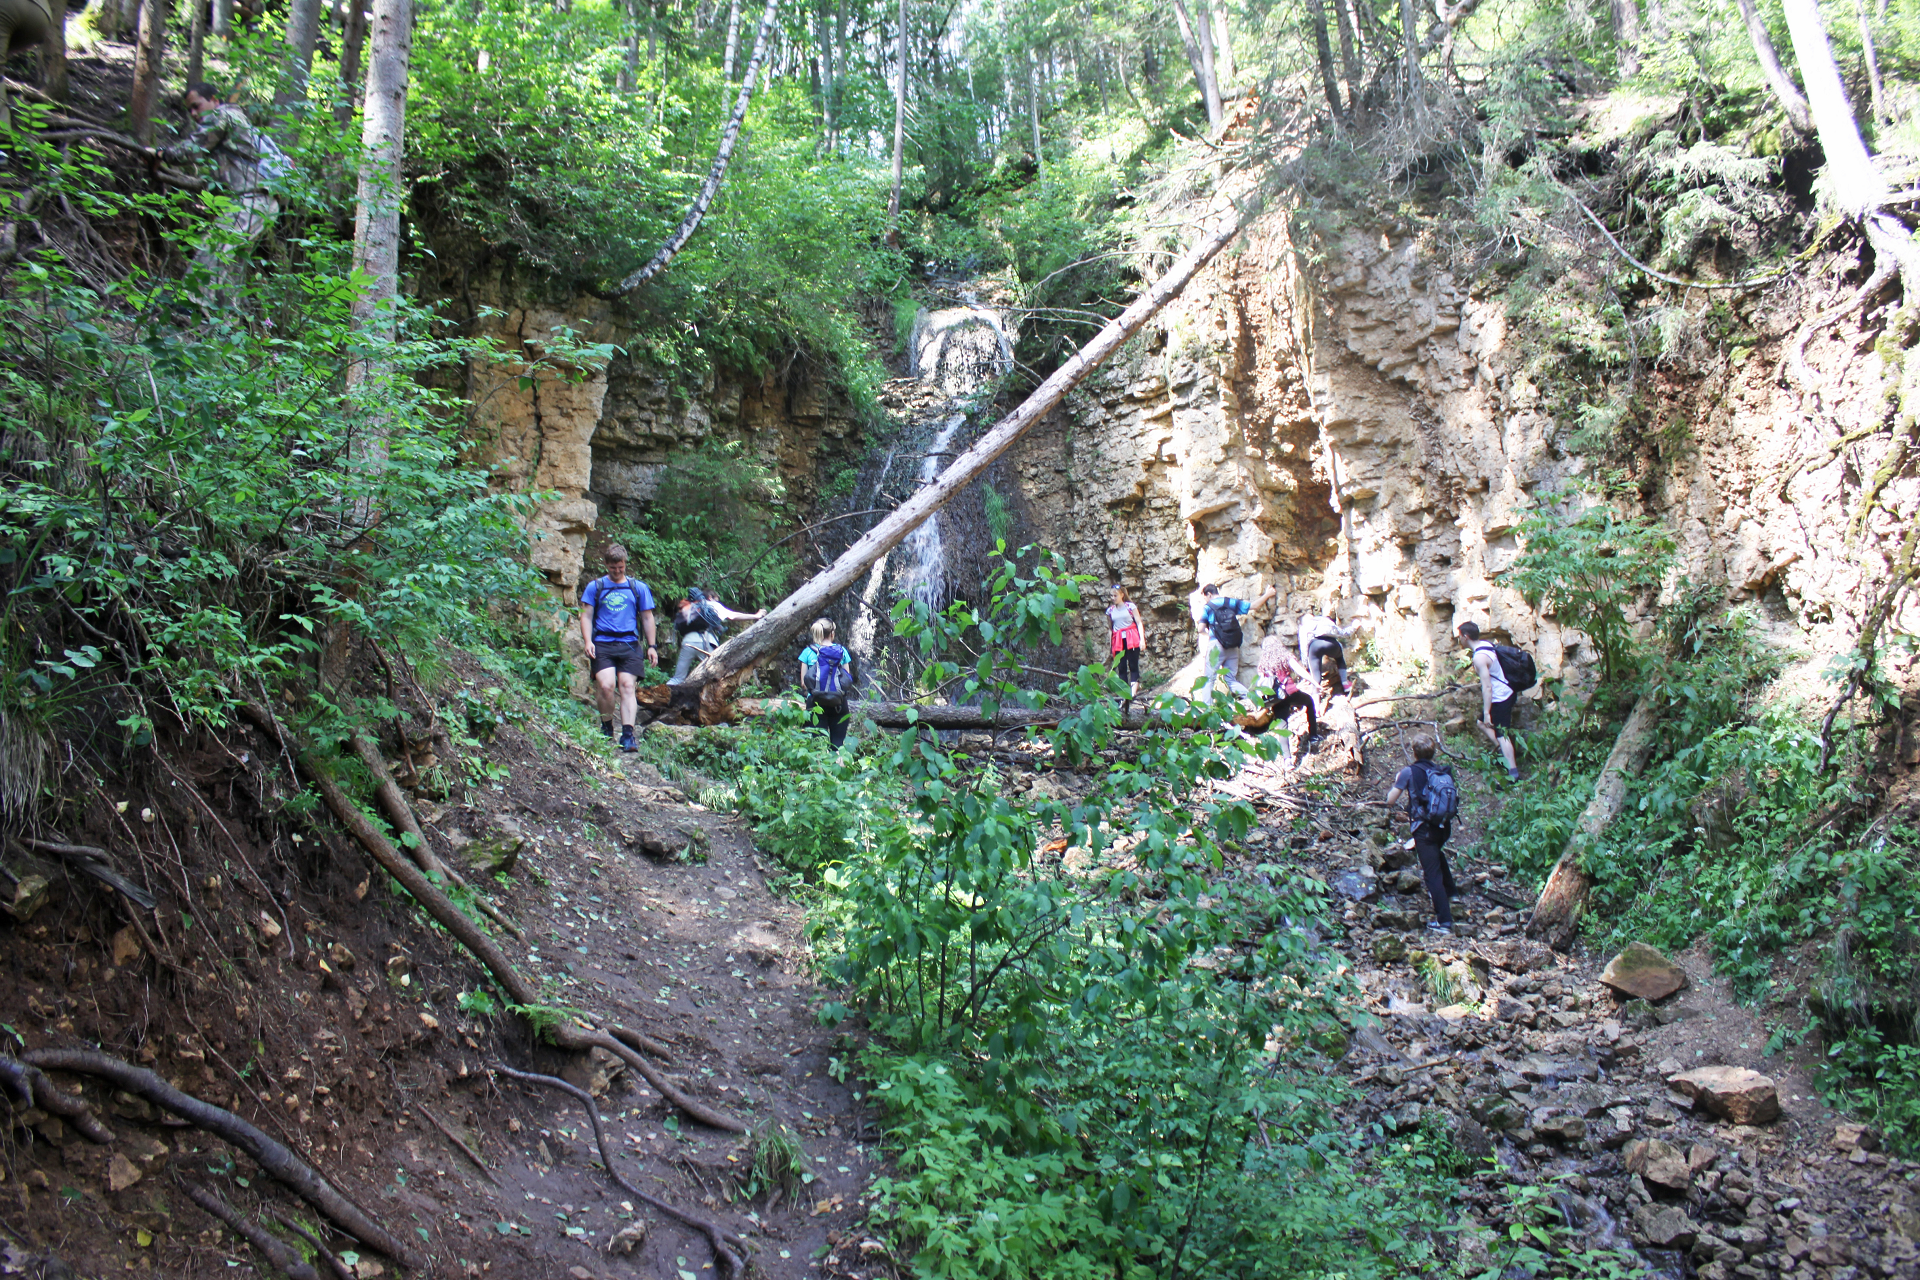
<point x="376" y="223"/>
<point x="149" y="54"/>
<point x="303" y="34"/>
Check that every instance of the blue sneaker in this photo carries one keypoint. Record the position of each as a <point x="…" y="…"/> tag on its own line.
<point x="626" y="739"/>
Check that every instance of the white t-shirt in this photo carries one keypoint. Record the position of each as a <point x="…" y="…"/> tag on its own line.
<point x="1496" y="677"/>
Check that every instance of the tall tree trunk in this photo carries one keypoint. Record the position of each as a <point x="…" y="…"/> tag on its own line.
<point x="729" y="139"/>
<point x="706" y="691"/>
<point x="1349" y="57"/>
<point x="1556" y="916"/>
<point x="1416" y="88"/>
<point x="1857" y="186"/>
<point x="1033" y="112"/>
<point x="148" y="61"/>
<point x="899" y="132"/>
<point x="352" y="49"/>
<point x="223" y="18"/>
<point x="733" y="41"/>
<point x="1784" y="92"/>
<point x="53" y="55"/>
<point x="303" y="35"/>
<point x="1199" y="45"/>
<point x="1323" y="48"/>
<point x="1226" y="74"/>
<point x="376" y="223"/>
<point x="1656" y="20"/>
<point x="197" y="42"/>
<point x="1626" y="36"/>
<point x="1874" y="86"/>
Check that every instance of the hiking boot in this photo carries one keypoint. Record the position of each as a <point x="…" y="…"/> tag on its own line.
<point x="626" y="739"/>
<point x="1513" y="775"/>
<point x="1440" y="930"/>
<point x="606" y="727"/>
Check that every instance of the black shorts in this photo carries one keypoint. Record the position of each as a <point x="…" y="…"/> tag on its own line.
<point x="1501" y="713"/>
<point x="625" y="659"/>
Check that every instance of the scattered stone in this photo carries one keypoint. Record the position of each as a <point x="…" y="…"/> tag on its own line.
<point x="269" y="927"/>
<point x="1638" y="1015"/>
<point x="1497" y="1113"/>
<point x="1402" y="1118"/>
<point x="1855" y="1137"/>
<point x="1733" y="1093"/>
<point x="1407" y="881"/>
<point x="1615" y="1131"/>
<point x="1699" y="1156"/>
<point x="1473" y="1139"/>
<point x="1455" y="1012"/>
<point x="1370" y="1040"/>
<point x="1395" y="918"/>
<point x="121" y="1172"/>
<point x="1569" y="1130"/>
<point x="1641" y="973"/>
<point x="1356" y="884"/>
<point x="341" y="958"/>
<point x="1389" y="948"/>
<point x="126" y="947"/>
<point x="498" y="853"/>
<point x="670" y="839"/>
<point x="1512" y="1012"/>
<point x="1664" y="1227"/>
<point x="1659" y="1163"/>
<point x="758" y="942"/>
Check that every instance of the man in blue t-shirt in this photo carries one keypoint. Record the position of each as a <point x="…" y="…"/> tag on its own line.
<point x="1220" y="634"/>
<point x="614" y="611"/>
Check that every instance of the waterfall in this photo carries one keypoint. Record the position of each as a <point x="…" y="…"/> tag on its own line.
<point x="955" y="355"/>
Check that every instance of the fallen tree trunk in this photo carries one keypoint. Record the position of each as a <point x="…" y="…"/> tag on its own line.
<point x="1556" y="916"/>
<point x="704" y="696"/>
<point x="889" y="715"/>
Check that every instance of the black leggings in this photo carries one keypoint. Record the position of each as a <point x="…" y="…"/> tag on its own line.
<point x="1130" y="665"/>
<point x="1438" y="875"/>
<point x="1298" y="699"/>
<point x="835" y="722"/>
<point x="1327" y="647"/>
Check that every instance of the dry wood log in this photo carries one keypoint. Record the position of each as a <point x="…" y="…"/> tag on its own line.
<point x="728" y="1249"/>
<point x="278" y="1252"/>
<point x="703" y="697"/>
<point x="299" y="1176"/>
<point x="1556" y="916"/>
<point x="484" y="949"/>
<point x="97" y="863"/>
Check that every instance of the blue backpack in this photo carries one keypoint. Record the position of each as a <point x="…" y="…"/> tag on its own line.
<point x="1434" y="799"/>
<point x="831" y="666"/>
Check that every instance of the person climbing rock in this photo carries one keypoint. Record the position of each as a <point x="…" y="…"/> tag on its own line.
<point x="700" y="622"/>
<point x="1129" y="637"/>
<point x="1432" y="803"/>
<point x="246" y="164"/>
<point x="1282" y="682"/>
<point x="1320" y="638"/>
<point x="614" y="611"/>
<point x="1221" y="624"/>
<point x="1497" y="696"/>
<point x="828" y="677"/>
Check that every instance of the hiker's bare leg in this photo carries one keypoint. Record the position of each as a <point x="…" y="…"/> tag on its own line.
<point x="628" y="702"/>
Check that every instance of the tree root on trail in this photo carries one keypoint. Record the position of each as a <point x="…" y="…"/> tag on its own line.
<point x="645" y="1044"/>
<point x="728" y="1249"/>
<point x="438" y="905"/>
<point x="289" y="1169"/>
<point x="466" y="1148"/>
<point x="278" y="1252"/>
<point x="339" y="1268"/>
<point x="31" y="1086"/>
<point x="394" y="802"/>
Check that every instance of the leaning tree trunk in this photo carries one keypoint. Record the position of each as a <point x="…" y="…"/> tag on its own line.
<point x="53" y="54"/>
<point x="899" y="133"/>
<point x="729" y="138"/>
<point x="704" y="696"/>
<point x="376" y="223"/>
<point x="1556" y="916"/>
<point x="1323" y="49"/>
<point x="1858" y="189"/>
<point x="1789" y="97"/>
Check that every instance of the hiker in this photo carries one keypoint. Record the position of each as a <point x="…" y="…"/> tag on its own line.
<point x="1320" y="638"/>
<point x="1432" y="803"/>
<point x="1220" y="622"/>
<point x="700" y="622"/>
<point x="1282" y="680"/>
<point x="1129" y="637"/>
<point x="827" y="677"/>
<point x="614" y="610"/>
<point x="1504" y="671"/>
<point x="246" y="163"/>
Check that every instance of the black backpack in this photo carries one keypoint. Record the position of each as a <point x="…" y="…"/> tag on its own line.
<point x="689" y="621"/>
<point x="1225" y="625"/>
<point x="1516" y="667"/>
<point x="1433" y="799"/>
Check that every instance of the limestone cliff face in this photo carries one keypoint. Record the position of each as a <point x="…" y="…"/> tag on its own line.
<point x="1366" y="440"/>
<point x="594" y="436"/>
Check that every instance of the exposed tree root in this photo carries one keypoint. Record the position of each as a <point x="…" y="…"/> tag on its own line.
<point x="97" y="863"/>
<point x="31" y="1086"/>
<point x="291" y="1170"/>
<point x="728" y="1249"/>
<point x="645" y="1044"/>
<point x="277" y="1251"/>
<point x="339" y="1268"/>
<point x="429" y="895"/>
<point x="466" y="1148"/>
<point x="394" y="802"/>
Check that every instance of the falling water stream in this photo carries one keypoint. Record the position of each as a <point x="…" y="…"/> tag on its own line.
<point x="956" y="353"/>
